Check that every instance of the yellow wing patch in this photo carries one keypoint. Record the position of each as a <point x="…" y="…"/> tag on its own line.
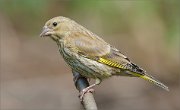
<point x="111" y="63"/>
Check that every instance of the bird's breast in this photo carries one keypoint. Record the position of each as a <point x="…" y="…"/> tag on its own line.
<point x="85" y="66"/>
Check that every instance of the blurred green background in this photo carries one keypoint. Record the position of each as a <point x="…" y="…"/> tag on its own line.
<point x="35" y="77"/>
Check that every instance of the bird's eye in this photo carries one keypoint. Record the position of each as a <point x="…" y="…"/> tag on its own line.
<point x="55" y="24"/>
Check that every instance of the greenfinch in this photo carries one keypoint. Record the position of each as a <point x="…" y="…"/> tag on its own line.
<point x="89" y="55"/>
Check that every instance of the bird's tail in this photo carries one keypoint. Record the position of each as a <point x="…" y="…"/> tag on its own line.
<point x="152" y="80"/>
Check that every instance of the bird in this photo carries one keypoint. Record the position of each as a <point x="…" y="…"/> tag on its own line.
<point x="90" y="55"/>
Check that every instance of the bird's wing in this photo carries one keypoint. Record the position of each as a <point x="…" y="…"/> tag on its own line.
<point x="97" y="49"/>
<point x="88" y="44"/>
<point x="116" y="59"/>
<point x="93" y="47"/>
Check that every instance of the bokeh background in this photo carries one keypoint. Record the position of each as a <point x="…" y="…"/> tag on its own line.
<point x="35" y="77"/>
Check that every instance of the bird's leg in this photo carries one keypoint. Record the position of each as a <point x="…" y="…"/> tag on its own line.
<point x="89" y="88"/>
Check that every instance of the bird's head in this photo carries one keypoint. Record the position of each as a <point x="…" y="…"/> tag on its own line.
<point x="57" y="27"/>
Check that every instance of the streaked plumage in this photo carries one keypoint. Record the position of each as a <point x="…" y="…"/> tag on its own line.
<point x="90" y="55"/>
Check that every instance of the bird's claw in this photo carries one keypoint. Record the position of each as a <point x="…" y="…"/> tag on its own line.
<point x="84" y="91"/>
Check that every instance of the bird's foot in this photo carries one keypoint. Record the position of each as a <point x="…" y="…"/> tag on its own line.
<point x="84" y="91"/>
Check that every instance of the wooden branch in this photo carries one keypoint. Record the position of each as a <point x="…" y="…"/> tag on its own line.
<point x="88" y="99"/>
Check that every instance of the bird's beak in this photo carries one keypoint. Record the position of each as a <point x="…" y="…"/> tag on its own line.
<point x="45" y="31"/>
